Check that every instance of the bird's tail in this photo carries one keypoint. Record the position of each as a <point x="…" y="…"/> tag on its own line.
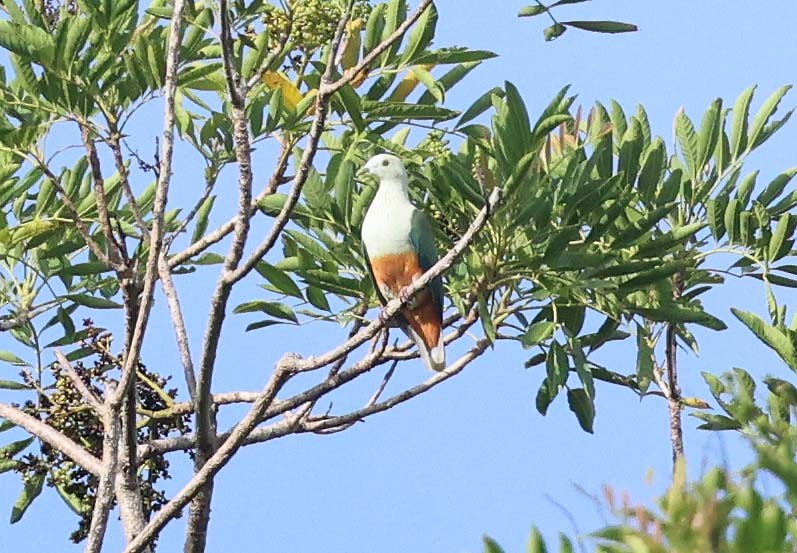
<point x="434" y="358"/>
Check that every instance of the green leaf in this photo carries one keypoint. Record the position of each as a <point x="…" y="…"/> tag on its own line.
<point x="431" y="84"/>
<point x="545" y="395"/>
<point x="486" y="319"/>
<point x="645" y="362"/>
<point x="93" y="301"/>
<point x="407" y="111"/>
<point x="778" y="238"/>
<point x="85" y="269"/>
<point x="709" y="133"/>
<point x="678" y="314"/>
<point x="317" y="298"/>
<point x="202" y="215"/>
<point x="741" y="112"/>
<point x="581" y="404"/>
<point x="78" y="505"/>
<point x="8" y="451"/>
<point x="731" y="216"/>
<point x="716" y="422"/>
<point x="536" y="544"/>
<point x="31" y="490"/>
<point x="9" y="464"/>
<point x="279" y="279"/>
<point x="421" y="34"/>
<point x="776" y="186"/>
<point x="261" y="324"/>
<point x="764" y="114"/>
<point x="482" y="104"/>
<point x="554" y="31"/>
<point x="9" y="357"/>
<point x="775" y="338"/>
<point x="687" y="139"/>
<point x="557" y="367"/>
<point x="490" y="545"/>
<point x="451" y="55"/>
<point x="531" y="11"/>
<point x="602" y="26"/>
<point x="536" y="333"/>
<point x="12" y="385"/>
<point x="275" y="309"/>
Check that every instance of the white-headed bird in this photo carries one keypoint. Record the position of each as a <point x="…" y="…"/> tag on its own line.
<point x="400" y="247"/>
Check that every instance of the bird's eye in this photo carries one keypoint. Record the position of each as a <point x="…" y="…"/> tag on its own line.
<point x="385" y="163"/>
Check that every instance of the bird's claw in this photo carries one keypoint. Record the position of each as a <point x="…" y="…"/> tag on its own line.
<point x="405" y="294"/>
<point x="384" y="318"/>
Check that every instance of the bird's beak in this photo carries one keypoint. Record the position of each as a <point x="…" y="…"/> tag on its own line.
<point x="364" y="174"/>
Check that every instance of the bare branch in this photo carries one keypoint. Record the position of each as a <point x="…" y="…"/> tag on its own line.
<point x="99" y="193"/>
<point x="51" y="436"/>
<point x="80" y="224"/>
<point x="103" y="502"/>
<point x="159" y="206"/>
<point x="277" y="178"/>
<point x="215" y="463"/>
<point x="115" y="144"/>
<point x="329" y="423"/>
<point x="181" y="334"/>
<point x="199" y="513"/>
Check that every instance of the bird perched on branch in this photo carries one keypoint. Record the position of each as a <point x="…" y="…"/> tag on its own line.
<point x="399" y="248"/>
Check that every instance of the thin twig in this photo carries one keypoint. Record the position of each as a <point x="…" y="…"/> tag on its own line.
<point x="103" y="213"/>
<point x="114" y="141"/>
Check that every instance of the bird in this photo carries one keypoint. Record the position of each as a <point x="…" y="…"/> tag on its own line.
<point x="399" y="247"/>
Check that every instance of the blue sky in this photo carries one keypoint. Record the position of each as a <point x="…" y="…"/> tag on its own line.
<point x="473" y="456"/>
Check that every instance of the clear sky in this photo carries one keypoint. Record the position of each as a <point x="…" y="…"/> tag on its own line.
<point x="473" y="456"/>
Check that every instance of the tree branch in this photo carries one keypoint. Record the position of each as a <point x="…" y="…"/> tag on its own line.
<point x="103" y="502"/>
<point x="181" y="334"/>
<point x="332" y="423"/>
<point x="380" y="48"/>
<point x="114" y="142"/>
<point x="103" y="213"/>
<point x="51" y="436"/>
<point x="215" y="463"/>
<point x="295" y="363"/>
<point x="159" y="205"/>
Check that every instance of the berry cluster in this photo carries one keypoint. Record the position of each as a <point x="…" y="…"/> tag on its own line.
<point x="436" y="145"/>
<point x="308" y="24"/>
<point x="62" y="407"/>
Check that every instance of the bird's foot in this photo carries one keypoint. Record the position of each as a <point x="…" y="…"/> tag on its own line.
<point x="404" y="294"/>
<point x="384" y="318"/>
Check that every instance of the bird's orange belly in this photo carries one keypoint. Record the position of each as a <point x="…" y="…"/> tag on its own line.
<point x="395" y="271"/>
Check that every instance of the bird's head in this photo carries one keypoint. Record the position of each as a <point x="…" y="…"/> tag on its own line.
<point x="386" y="167"/>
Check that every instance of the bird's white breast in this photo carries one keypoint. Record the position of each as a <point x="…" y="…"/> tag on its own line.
<point x="387" y="224"/>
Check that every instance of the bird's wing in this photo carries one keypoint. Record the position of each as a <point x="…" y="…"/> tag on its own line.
<point x="422" y="238"/>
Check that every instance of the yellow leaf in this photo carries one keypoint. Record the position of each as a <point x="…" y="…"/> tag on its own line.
<point x="407" y="85"/>
<point x="290" y="94"/>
